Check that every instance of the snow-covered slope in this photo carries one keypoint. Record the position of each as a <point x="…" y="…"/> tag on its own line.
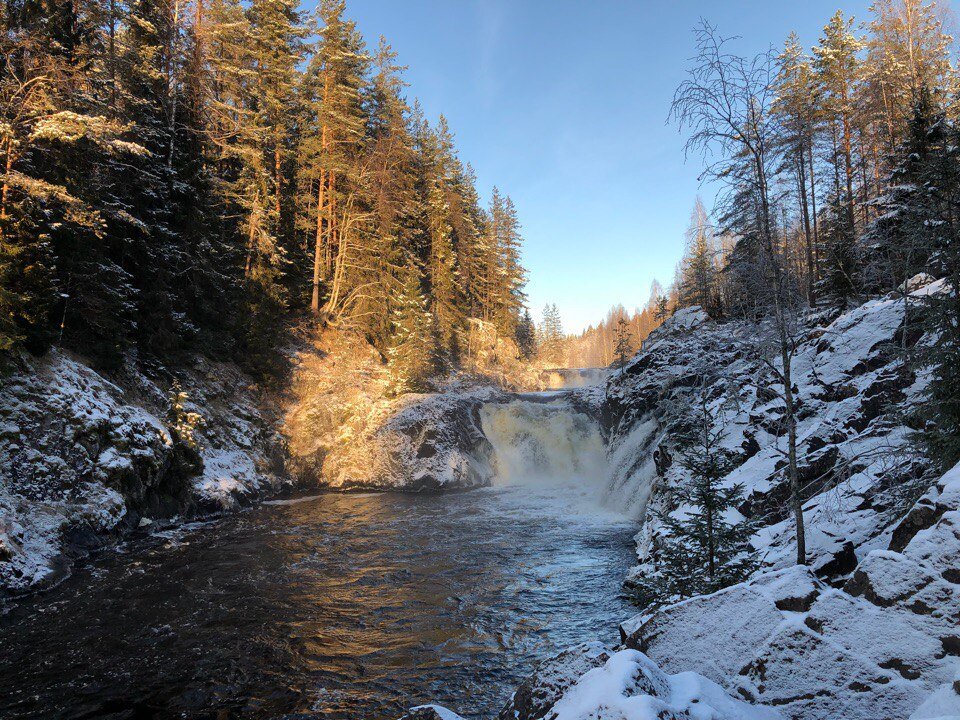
<point x="858" y="472"/>
<point x="83" y="459"/>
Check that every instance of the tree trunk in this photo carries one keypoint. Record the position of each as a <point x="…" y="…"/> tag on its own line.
<point x="172" y="94"/>
<point x="785" y="354"/>
<point x="795" y="499"/>
<point x="5" y="189"/>
<point x="277" y="174"/>
<point x="848" y="170"/>
<point x="332" y="241"/>
<point x="318" y="248"/>
<point x="813" y="207"/>
<point x="805" y="211"/>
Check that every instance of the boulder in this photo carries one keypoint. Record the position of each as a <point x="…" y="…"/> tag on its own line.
<point x="536" y="695"/>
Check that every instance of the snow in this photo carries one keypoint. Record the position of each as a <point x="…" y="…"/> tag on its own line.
<point x="630" y="686"/>
<point x="943" y="703"/>
<point x="687" y="319"/>
<point x="84" y="455"/>
<point x="441" y="713"/>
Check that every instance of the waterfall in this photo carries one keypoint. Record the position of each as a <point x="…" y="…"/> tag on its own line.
<point x="632" y="470"/>
<point x="554" y="448"/>
<point x="545" y="443"/>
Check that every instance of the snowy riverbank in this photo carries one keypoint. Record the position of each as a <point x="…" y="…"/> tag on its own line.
<point x="85" y="459"/>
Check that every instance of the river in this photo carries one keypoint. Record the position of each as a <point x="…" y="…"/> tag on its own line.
<point x="339" y="606"/>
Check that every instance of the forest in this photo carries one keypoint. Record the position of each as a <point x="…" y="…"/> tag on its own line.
<point x="282" y="436"/>
<point x="206" y="176"/>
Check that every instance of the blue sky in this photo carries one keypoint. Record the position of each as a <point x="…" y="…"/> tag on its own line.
<point x="562" y="104"/>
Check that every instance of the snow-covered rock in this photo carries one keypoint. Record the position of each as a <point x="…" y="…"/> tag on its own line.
<point x="630" y="686"/>
<point x="84" y="458"/>
<point x="857" y="468"/>
<point x="424" y="443"/>
<point x="590" y="682"/>
<point x="430" y="712"/>
<point x="880" y="648"/>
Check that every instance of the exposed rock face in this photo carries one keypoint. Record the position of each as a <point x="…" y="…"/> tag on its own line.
<point x="83" y="459"/>
<point x="432" y="442"/>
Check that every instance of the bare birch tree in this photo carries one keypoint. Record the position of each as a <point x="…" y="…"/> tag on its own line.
<point x="724" y="105"/>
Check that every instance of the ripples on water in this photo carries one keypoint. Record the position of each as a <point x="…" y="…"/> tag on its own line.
<point x="339" y="606"/>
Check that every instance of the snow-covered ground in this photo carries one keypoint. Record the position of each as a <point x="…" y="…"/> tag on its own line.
<point x="84" y="459"/>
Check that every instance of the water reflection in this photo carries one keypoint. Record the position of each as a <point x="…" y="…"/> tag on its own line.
<point x="351" y="606"/>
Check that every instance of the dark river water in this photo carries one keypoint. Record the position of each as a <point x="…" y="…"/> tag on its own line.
<point x="340" y="606"/>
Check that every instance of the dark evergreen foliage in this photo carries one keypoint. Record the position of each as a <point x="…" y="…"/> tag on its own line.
<point x="183" y="177"/>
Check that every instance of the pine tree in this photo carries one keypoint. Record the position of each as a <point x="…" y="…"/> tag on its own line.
<point x="839" y="75"/>
<point x="899" y="243"/>
<point x="550" y="336"/>
<point x="624" y="347"/>
<point x="330" y="155"/>
<point x="796" y="107"/>
<point x="526" y="336"/>
<point x="697" y="268"/>
<point x="908" y="52"/>
<point x="444" y="280"/>
<point x="929" y="212"/>
<point x="393" y="199"/>
<point x="662" y="309"/>
<point x="188" y="176"/>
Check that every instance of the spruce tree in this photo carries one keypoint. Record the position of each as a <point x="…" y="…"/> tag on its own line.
<point x="697" y="268"/>
<point x="700" y="548"/>
<point x="839" y="76"/>
<point x="623" y="349"/>
<point x="413" y="351"/>
<point x="526" y="336"/>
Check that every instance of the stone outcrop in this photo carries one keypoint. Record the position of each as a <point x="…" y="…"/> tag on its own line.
<point x="84" y="459"/>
